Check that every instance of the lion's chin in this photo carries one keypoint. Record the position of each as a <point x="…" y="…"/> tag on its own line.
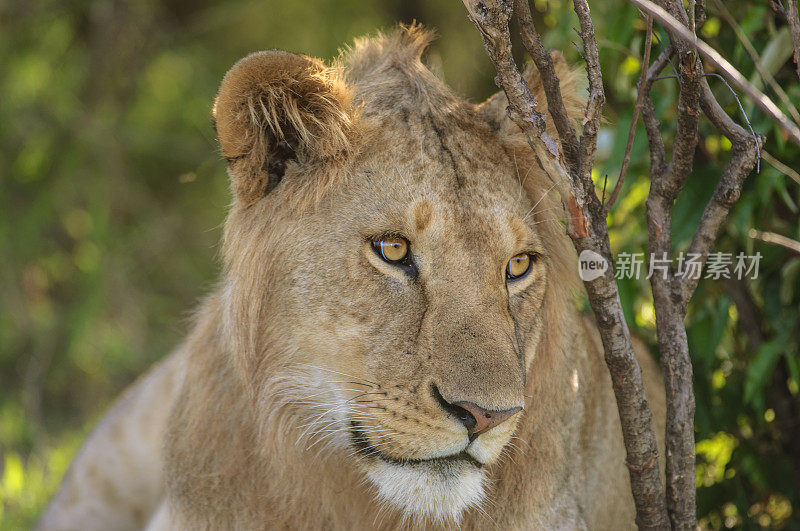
<point x="440" y="490"/>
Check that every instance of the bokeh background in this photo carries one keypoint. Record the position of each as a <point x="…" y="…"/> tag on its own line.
<point x="112" y="194"/>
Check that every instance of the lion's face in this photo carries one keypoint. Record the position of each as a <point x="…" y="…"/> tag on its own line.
<point x="402" y="308"/>
<point x="421" y="347"/>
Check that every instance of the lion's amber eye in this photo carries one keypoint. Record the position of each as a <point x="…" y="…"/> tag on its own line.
<point x="518" y="266"/>
<point x="393" y="249"/>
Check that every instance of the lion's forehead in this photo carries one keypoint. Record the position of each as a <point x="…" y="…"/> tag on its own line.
<point x="451" y="160"/>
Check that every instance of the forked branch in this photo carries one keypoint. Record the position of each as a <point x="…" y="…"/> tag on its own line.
<point x="569" y="164"/>
<point x="586" y="226"/>
<point x="672" y="288"/>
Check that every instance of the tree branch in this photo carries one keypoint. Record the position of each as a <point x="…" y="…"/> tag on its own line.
<point x="587" y="227"/>
<point x="594" y="105"/>
<point x="626" y="160"/>
<point x="745" y="152"/>
<point x="550" y="82"/>
<point x="672" y="292"/>
<point x="665" y="184"/>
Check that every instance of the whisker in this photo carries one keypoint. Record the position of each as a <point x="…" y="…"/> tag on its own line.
<point x="537" y="202"/>
<point x="340" y="374"/>
<point x="410" y="191"/>
<point x="546" y="220"/>
<point x="548" y="209"/>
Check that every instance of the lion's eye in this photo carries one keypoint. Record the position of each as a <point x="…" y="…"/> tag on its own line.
<point x="393" y="249"/>
<point x="519" y="266"/>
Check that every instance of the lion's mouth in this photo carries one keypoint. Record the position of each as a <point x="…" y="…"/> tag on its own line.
<point x="365" y="449"/>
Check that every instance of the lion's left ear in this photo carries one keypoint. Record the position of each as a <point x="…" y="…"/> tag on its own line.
<point x="494" y="108"/>
<point x="275" y="107"/>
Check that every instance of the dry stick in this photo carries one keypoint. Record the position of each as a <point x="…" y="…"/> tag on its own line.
<point x="766" y="104"/>
<point x="648" y="40"/>
<point x="594" y="105"/>
<point x="587" y="227"/>
<point x="550" y="82"/>
<point x="771" y="237"/>
<point x="781" y="167"/>
<point x="791" y="15"/>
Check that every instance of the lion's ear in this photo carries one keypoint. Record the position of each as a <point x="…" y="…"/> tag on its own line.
<point x="494" y="108"/>
<point x="275" y="107"/>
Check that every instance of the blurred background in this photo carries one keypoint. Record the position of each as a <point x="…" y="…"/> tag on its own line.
<point x="112" y="194"/>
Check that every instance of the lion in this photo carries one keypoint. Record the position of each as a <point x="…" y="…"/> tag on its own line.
<point x="396" y="338"/>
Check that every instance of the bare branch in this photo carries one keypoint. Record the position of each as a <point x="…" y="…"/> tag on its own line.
<point x="665" y="184"/>
<point x="745" y="152"/>
<point x="594" y="106"/>
<point x="550" y="82"/>
<point x="587" y="227"/>
<point x="652" y="126"/>
<point x="648" y="41"/>
<point x="765" y="103"/>
<point x="781" y="167"/>
<point x="670" y="291"/>
<point x="771" y="237"/>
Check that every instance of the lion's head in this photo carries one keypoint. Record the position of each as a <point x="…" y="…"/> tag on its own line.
<point x="390" y="253"/>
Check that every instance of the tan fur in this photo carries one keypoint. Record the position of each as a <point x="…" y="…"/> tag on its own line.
<point x="307" y="396"/>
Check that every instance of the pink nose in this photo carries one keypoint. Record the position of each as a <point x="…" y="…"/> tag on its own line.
<point x="478" y="420"/>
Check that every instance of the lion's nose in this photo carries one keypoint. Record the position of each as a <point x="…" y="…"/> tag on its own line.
<point x="478" y="420"/>
<point x="474" y="417"/>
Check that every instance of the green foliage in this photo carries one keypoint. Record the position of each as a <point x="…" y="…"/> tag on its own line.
<point x="112" y="195"/>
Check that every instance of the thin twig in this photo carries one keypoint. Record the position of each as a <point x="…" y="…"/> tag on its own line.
<point x="651" y="124"/>
<point x="777" y="239"/>
<point x="648" y="41"/>
<point x="780" y="166"/>
<point x="741" y="109"/>
<point x="550" y="82"/>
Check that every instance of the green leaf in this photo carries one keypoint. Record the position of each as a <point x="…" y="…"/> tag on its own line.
<point x="706" y="332"/>
<point x="759" y="372"/>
